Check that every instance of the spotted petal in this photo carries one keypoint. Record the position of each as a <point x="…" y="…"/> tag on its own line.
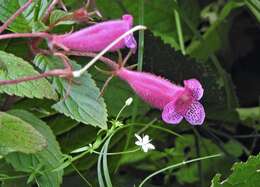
<point x="195" y="114"/>
<point x="196" y="88"/>
<point x="169" y="115"/>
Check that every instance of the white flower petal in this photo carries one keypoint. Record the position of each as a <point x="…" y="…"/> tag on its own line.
<point x="139" y="137"/>
<point x="146" y="139"/>
<point x="145" y="149"/>
<point x="150" y="146"/>
<point x="138" y="143"/>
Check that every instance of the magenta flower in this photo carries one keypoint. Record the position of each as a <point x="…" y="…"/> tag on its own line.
<point x="186" y="104"/>
<point x="95" y="38"/>
<point x="175" y="101"/>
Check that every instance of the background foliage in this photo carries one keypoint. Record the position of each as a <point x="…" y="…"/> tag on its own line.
<point x="215" y="41"/>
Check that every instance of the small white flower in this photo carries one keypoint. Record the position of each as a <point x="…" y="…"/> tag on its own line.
<point x="144" y="143"/>
<point x="129" y="101"/>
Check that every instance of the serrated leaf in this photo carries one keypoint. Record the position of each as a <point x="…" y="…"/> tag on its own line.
<point x="158" y="16"/>
<point x="83" y="102"/>
<point x="24" y="22"/>
<point x="46" y="160"/>
<point x="244" y="174"/>
<point x="56" y="15"/>
<point x="17" y="68"/>
<point x="18" y="135"/>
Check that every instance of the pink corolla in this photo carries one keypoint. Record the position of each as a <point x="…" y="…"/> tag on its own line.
<point x="95" y="38"/>
<point x="176" y="102"/>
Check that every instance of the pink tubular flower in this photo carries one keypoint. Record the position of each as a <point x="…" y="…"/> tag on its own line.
<point x="175" y="101"/>
<point x="95" y="38"/>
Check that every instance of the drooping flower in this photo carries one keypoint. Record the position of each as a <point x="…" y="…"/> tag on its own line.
<point x="95" y="38"/>
<point x="176" y="102"/>
<point x="153" y="89"/>
<point x="144" y="142"/>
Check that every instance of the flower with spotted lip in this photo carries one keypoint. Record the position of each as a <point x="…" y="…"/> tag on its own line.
<point x="186" y="105"/>
<point x="177" y="102"/>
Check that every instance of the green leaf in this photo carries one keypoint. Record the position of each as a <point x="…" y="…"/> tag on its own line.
<point x="56" y="15"/>
<point x="45" y="161"/>
<point x="244" y="174"/>
<point x="83" y="102"/>
<point x="158" y="16"/>
<point x="254" y="6"/>
<point x="24" y="22"/>
<point x="18" y="135"/>
<point x="17" y="68"/>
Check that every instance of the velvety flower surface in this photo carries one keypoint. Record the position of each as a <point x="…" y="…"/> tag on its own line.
<point x="153" y="89"/>
<point x="95" y="38"/>
<point x="176" y="102"/>
<point x="186" y="105"/>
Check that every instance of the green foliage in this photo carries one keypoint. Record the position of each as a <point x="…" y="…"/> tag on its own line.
<point x="216" y="35"/>
<point x="41" y="120"/>
<point x="27" y="21"/>
<point x="81" y="100"/>
<point x="254" y="6"/>
<point x="19" y="135"/>
<point x="15" y="67"/>
<point x="243" y="174"/>
<point x="159" y="17"/>
<point x="39" y="165"/>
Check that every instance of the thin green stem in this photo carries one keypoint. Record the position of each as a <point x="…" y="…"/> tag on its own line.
<point x="179" y="30"/>
<point x="197" y="145"/>
<point x="119" y="113"/>
<point x="118" y="153"/>
<point x="177" y="165"/>
<point x="80" y="174"/>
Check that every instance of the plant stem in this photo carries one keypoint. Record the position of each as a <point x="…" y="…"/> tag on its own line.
<point x="16" y="14"/>
<point x="178" y="165"/>
<point x="26" y="35"/>
<point x="179" y="30"/>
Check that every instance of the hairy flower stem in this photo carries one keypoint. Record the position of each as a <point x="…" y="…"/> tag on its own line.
<point x="56" y="72"/>
<point x="66" y="72"/>
<point x="16" y="14"/>
<point x="26" y="35"/>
